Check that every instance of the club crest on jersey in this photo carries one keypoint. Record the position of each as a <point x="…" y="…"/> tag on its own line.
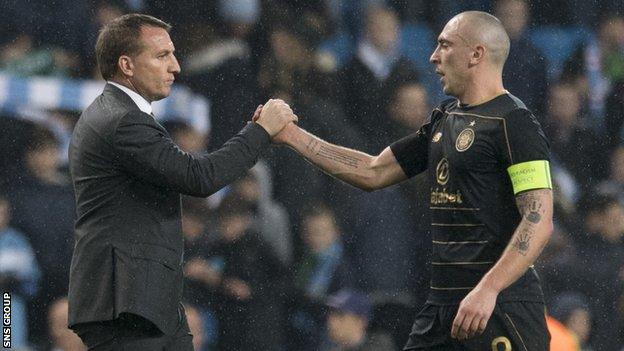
<point x="465" y="139"/>
<point x="436" y="137"/>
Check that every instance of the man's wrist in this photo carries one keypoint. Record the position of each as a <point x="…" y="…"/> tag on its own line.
<point x="490" y="283"/>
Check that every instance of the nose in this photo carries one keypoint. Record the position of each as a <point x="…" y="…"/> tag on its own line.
<point x="175" y="66"/>
<point x="434" y="56"/>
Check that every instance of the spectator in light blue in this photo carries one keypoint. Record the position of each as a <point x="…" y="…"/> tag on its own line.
<point x="19" y="273"/>
<point x="320" y="271"/>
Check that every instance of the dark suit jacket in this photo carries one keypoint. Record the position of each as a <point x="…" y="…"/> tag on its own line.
<point x="128" y="176"/>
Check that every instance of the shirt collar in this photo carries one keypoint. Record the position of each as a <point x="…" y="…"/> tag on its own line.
<point x="140" y="101"/>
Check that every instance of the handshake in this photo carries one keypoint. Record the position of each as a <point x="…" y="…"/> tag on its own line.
<point x="274" y="116"/>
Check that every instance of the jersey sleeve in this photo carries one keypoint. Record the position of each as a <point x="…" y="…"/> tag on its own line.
<point x="527" y="154"/>
<point x="412" y="151"/>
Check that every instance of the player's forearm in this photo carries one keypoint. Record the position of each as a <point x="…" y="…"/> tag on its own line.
<point x="527" y="242"/>
<point x="351" y="166"/>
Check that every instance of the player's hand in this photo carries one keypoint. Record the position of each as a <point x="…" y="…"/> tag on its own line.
<point x="285" y="134"/>
<point x="474" y="313"/>
<point x="274" y="116"/>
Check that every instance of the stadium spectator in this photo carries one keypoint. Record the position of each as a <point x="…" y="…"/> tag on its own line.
<point x="525" y="75"/>
<point x="322" y="269"/>
<point x="574" y="146"/>
<point x="19" y="274"/>
<point x="189" y="139"/>
<point x="270" y="219"/>
<point x="347" y="325"/>
<point x="196" y="325"/>
<point x="43" y="209"/>
<point x="252" y="282"/>
<point x="601" y="245"/>
<point x="376" y="63"/>
<point x="61" y="337"/>
<point x="598" y="64"/>
<point x="406" y="109"/>
<point x="572" y="309"/>
<point x="219" y="64"/>
<point x="21" y="56"/>
<point x="202" y="277"/>
<point x="614" y="118"/>
<point x="614" y="184"/>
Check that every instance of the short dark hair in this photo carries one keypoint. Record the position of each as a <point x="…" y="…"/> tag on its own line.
<point x="121" y="37"/>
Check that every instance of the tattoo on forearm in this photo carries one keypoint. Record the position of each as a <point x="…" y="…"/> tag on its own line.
<point x="338" y="156"/>
<point x="312" y="145"/>
<point x="523" y="240"/>
<point x="531" y="208"/>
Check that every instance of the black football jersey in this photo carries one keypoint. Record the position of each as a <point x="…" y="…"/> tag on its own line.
<point x="468" y="151"/>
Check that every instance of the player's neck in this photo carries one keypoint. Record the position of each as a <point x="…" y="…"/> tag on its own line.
<point x="480" y="93"/>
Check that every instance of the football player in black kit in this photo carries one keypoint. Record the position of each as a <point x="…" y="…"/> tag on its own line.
<point x="491" y="200"/>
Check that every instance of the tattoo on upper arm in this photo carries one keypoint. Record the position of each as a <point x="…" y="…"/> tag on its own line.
<point x="530" y="206"/>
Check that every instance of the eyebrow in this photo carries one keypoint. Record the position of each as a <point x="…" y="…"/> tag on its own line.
<point x="164" y="51"/>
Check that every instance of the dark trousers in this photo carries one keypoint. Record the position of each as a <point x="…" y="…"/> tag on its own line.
<point x="513" y="326"/>
<point x="130" y="332"/>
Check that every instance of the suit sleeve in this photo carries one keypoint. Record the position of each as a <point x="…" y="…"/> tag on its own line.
<point x="146" y="151"/>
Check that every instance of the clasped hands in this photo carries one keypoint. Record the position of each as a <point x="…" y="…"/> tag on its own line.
<point x="274" y="116"/>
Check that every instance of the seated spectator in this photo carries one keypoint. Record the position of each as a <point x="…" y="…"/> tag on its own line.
<point x="251" y="285"/>
<point x="407" y="110"/>
<point x="614" y="184"/>
<point x="614" y="115"/>
<point x="20" y="56"/>
<point x="43" y="209"/>
<point x="196" y="325"/>
<point x="572" y="309"/>
<point x="600" y="267"/>
<point x="527" y="68"/>
<point x="19" y="274"/>
<point x="576" y="147"/>
<point x="186" y="137"/>
<point x="61" y="337"/>
<point x="270" y="217"/>
<point x="347" y="325"/>
<point x="598" y="64"/>
<point x="376" y="63"/>
<point x="323" y="269"/>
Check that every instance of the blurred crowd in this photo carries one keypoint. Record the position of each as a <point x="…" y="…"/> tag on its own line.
<point x="288" y="258"/>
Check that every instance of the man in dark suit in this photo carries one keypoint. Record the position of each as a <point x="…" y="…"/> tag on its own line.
<point x="126" y="272"/>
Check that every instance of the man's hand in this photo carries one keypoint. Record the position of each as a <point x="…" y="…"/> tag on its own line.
<point x="474" y="313"/>
<point x="274" y="116"/>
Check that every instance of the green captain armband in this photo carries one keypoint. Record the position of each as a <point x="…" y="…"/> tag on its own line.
<point x="530" y="175"/>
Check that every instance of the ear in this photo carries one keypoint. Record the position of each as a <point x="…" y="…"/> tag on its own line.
<point x="125" y="65"/>
<point x="478" y="54"/>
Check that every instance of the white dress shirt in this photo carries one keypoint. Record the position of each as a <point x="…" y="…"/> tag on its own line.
<point x="140" y="101"/>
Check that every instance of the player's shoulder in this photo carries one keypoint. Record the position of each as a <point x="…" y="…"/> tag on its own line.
<point x="512" y="107"/>
<point x="446" y="105"/>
